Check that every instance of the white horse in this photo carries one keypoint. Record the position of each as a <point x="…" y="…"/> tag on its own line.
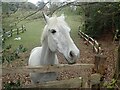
<point x="55" y="37"/>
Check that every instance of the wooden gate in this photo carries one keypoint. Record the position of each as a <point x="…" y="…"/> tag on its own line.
<point x="77" y="82"/>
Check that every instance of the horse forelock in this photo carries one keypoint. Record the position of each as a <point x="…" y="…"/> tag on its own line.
<point x="52" y="22"/>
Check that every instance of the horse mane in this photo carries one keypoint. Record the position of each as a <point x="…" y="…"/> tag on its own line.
<point x="53" y="21"/>
<point x="44" y="35"/>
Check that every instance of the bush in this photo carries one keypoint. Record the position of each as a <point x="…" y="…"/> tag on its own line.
<point x="10" y="85"/>
<point x="10" y="55"/>
<point x="102" y="17"/>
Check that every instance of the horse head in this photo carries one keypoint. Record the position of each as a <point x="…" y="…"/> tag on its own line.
<point x="57" y="32"/>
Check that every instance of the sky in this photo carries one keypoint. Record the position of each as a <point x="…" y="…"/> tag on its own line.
<point x="35" y="1"/>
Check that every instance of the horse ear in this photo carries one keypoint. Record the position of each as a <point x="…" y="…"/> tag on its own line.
<point x="46" y="18"/>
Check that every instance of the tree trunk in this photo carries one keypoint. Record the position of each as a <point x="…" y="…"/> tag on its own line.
<point x="117" y="71"/>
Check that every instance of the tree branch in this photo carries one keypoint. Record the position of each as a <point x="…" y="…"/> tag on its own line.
<point x="32" y="13"/>
<point x="63" y="5"/>
<point x="51" y="12"/>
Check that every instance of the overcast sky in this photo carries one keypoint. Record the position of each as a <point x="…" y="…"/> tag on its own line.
<point x="35" y="1"/>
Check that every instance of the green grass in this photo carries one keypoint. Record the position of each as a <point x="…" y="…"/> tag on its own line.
<point x="31" y="38"/>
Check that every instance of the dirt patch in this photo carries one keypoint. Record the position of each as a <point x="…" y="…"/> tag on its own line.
<point x="86" y="56"/>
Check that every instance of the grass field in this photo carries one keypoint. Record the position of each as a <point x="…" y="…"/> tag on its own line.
<point x="31" y="38"/>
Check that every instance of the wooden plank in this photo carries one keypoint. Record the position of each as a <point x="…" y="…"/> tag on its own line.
<point x="86" y="39"/>
<point x="82" y="33"/>
<point x="100" y="49"/>
<point x="96" y="50"/>
<point x="79" y="33"/>
<point x="96" y="43"/>
<point x="14" y="30"/>
<point x="91" y="39"/>
<point x="47" y="68"/>
<point x="91" y="43"/>
<point x="86" y="35"/>
<point x="82" y="36"/>
<point x="71" y="83"/>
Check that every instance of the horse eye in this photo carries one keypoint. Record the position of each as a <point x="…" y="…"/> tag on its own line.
<point x="53" y="31"/>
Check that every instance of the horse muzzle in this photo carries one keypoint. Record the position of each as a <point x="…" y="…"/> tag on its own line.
<point x="72" y="57"/>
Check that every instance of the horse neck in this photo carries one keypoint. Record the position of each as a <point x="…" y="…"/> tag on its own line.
<point x="47" y="56"/>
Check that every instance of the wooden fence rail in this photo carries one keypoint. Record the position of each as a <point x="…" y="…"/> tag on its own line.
<point x="11" y="32"/>
<point x="71" y="83"/>
<point x="96" y="46"/>
<point x="82" y="81"/>
<point x="46" y="68"/>
<point x="100" y="67"/>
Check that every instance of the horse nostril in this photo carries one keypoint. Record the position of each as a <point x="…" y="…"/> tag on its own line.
<point x="71" y="54"/>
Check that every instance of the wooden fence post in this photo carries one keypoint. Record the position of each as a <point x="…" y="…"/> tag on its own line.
<point x="11" y="33"/>
<point x="99" y="51"/>
<point x="99" y="63"/>
<point x="15" y="24"/>
<point x="3" y="38"/>
<point x="22" y="29"/>
<point x="98" y="48"/>
<point x="99" y="71"/>
<point x="93" y="46"/>
<point x="17" y="31"/>
<point x="78" y="30"/>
